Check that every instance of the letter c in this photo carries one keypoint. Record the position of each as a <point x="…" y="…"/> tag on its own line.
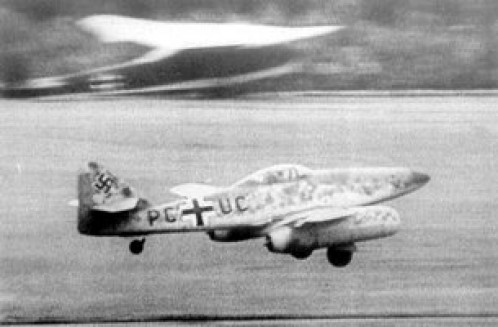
<point x="239" y="206"/>
<point x="169" y="218"/>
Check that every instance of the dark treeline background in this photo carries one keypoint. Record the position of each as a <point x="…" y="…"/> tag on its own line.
<point x="389" y="44"/>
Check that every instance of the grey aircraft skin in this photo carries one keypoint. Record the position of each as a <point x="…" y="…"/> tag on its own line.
<point x="296" y="209"/>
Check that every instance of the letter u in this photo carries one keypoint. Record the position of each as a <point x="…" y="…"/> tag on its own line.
<point x="228" y="209"/>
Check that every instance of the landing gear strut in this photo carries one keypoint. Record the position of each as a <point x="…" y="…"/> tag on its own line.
<point x="137" y="246"/>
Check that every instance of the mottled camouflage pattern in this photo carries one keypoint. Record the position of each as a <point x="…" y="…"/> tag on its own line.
<point x="266" y="198"/>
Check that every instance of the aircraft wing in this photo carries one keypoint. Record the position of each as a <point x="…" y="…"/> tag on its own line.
<point x="312" y="216"/>
<point x="167" y="39"/>
<point x="181" y="53"/>
<point x="170" y="37"/>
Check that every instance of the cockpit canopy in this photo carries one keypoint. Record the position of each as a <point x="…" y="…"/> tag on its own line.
<point x="275" y="174"/>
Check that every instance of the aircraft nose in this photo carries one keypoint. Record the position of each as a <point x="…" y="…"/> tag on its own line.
<point x="419" y="178"/>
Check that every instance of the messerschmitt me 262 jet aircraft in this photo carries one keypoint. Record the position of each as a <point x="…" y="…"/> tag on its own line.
<point x="295" y="208"/>
<point x="179" y="57"/>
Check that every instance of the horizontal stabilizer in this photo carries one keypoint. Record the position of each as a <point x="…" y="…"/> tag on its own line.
<point x="194" y="190"/>
<point x="122" y="205"/>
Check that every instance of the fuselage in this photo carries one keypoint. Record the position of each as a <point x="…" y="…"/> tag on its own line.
<point x="255" y="204"/>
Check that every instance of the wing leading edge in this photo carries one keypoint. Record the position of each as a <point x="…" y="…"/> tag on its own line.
<point x="328" y="214"/>
<point x="313" y="216"/>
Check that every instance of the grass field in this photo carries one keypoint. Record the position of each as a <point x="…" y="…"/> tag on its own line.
<point x="444" y="261"/>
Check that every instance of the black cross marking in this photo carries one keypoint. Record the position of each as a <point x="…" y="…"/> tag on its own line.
<point x="197" y="210"/>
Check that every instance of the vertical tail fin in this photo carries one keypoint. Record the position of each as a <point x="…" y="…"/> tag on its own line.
<point x="107" y="190"/>
<point x="100" y="190"/>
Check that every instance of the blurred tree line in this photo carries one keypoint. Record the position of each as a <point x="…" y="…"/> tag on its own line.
<point x="389" y="44"/>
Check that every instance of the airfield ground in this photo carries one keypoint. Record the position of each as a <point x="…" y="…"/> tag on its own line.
<point x="443" y="262"/>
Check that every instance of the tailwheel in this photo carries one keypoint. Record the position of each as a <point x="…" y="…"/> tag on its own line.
<point x="339" y="257"/>
<point x="137" y="246"/>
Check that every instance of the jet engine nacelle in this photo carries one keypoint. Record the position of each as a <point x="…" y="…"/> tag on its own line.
<point x="365" y="224"/>
<point x="232" y="235"/>
<point x="280" y="240"/>
<point x="288" y="240"/>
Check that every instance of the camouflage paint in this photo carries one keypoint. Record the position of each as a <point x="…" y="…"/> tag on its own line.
<point x="257" y="202"/>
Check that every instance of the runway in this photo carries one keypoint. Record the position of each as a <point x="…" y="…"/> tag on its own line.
<point x="443" y="262"/>
<point x="314" y="320"/>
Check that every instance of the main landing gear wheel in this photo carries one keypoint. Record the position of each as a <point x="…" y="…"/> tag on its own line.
<point x="302" y="254"/>
<point x="339" y="257"/>
<point x="137" y="246"/>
